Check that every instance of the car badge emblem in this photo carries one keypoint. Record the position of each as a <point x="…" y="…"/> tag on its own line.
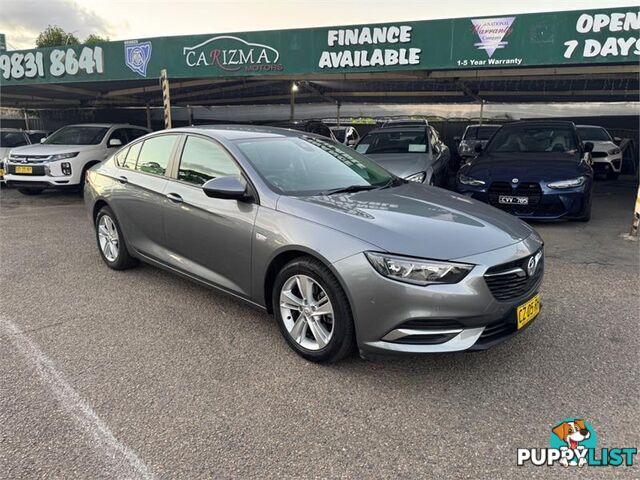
<point x="531" y="266"/>
<point x="515" y="180"/>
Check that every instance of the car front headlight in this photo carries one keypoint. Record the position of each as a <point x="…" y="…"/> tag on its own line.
<point x="613" y="151"/>
<point x="571" y="183"/>
<point x="417" y="271"/>
<point x="470" y="181"/>
<point x="62" y="156"/>
<point x="416" y="177"/>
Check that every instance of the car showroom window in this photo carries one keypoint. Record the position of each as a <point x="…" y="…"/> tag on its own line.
<point x="155" y="154"/>
<point x="131" y="156"/>
<point x="203" y="160"/>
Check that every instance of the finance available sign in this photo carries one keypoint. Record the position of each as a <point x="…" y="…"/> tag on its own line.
<point x="593" y="37"/>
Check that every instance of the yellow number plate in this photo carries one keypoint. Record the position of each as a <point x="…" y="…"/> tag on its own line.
<point x="28" y="170"/>
<point x="1" y="172"/>
<point x="528" y="311"/>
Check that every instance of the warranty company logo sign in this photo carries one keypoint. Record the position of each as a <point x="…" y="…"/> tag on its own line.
<point x="137" y="56"/>
<point x="491" y="32"/>
<point x="233" y="54"/>
<point x="572" y="443"/>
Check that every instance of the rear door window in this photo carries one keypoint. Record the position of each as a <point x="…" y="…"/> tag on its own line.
<point x="203" y="160"/>
<point x="131" y="157"/>
<point x="155" y="154"/>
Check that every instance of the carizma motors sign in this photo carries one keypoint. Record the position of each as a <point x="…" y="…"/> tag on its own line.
<point x="233" y="54"/>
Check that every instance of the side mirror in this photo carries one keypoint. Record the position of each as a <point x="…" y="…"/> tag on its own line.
<point x="477" y="147"/>
<point x="115" y="142"/>
<point x="352" y="142"/>
<point x="617" y="139"/>
<point x="457" y="138"/>
<point x="228" y="188"/>
<point x="43" y="139"/>
<point x="588" y="147"/>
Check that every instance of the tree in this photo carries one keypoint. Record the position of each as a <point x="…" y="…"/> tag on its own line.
<point x="54" y="36"/>
<point x="94" y="39"/>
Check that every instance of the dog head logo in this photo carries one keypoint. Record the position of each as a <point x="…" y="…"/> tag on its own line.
<point x="573" y="437"/>
<point x="572" y="432"/>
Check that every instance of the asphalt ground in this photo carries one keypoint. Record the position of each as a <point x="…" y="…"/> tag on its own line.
<point x="141" y="374"/>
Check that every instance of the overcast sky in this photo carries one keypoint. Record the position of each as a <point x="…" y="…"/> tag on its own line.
<point x="22" y="20"/>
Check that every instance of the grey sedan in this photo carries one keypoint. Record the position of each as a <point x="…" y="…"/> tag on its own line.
<point x="342" y="252"/>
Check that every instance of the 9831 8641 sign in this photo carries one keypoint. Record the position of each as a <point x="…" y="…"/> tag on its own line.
<point x="58" y="62"/>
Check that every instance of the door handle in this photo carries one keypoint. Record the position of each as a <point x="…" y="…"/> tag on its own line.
<point x="123" y="179"/>
<point x="174" y="197"/>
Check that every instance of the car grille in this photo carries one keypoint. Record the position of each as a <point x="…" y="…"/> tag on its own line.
<point x="531" y="190"/>
<point x="598" y="154"/>
<point x="35" y="170"/>
<point x="28" y="158"/>
<point x="510" y="280"/>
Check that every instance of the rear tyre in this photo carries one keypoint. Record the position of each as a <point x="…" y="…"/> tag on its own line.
<point x="313" y="311"/>
<point x="31" y="191"/>
<point x="111" y="244"/>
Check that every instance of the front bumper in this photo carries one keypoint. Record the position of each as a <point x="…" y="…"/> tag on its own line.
<point x="391" y="316"/>
<point x="610" y="163"/>
<point x="43" y="174"/>
<point x="548" y="204"/>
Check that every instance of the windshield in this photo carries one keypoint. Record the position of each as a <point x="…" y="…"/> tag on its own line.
<point x="12" y="139"/>
<point x="310" y="166"/>
<point x="534" y="140"/>
<point x="480" y="133"/>
<point x="77" y="136"/>
<point x="394" y="141"/>
<point x="594" y="134"/>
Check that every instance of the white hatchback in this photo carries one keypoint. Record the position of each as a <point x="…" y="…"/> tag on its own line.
<point x="63" y="158"/>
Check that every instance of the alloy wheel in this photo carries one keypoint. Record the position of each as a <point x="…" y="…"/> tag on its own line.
<point x="307" y="312"/>
<point x="108" y="238"/>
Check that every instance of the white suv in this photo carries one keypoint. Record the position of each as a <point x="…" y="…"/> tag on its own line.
<point x="606" y="155"/>
<point x="62" y="159"/>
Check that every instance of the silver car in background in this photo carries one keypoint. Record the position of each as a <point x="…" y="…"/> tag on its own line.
<point x="342" y="252"/>
<point x="409" y="149"/>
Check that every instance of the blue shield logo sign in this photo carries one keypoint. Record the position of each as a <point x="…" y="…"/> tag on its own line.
<point x="137" y="56"/>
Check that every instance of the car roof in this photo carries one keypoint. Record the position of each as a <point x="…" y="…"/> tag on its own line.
<point x="590" y="126"/>
<point x="105" y="125"/>
<point x="238" y="132"/>
<point x="555" y="123"/>
<point x="6" y="129"/>
<point x="399" y="128"/>
<point x="494" y="125"/>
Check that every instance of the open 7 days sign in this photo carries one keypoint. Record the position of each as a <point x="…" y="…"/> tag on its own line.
<point x="595" y="37"/>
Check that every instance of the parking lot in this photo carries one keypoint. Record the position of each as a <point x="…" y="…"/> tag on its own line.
<point x="141" y="374"/>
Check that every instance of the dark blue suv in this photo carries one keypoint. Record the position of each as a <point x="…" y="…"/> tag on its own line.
<point x="537" y="170"/>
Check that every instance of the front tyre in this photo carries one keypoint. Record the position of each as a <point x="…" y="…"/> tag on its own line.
<point x="313" y="311"/>
<point x="111" y="245"/>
